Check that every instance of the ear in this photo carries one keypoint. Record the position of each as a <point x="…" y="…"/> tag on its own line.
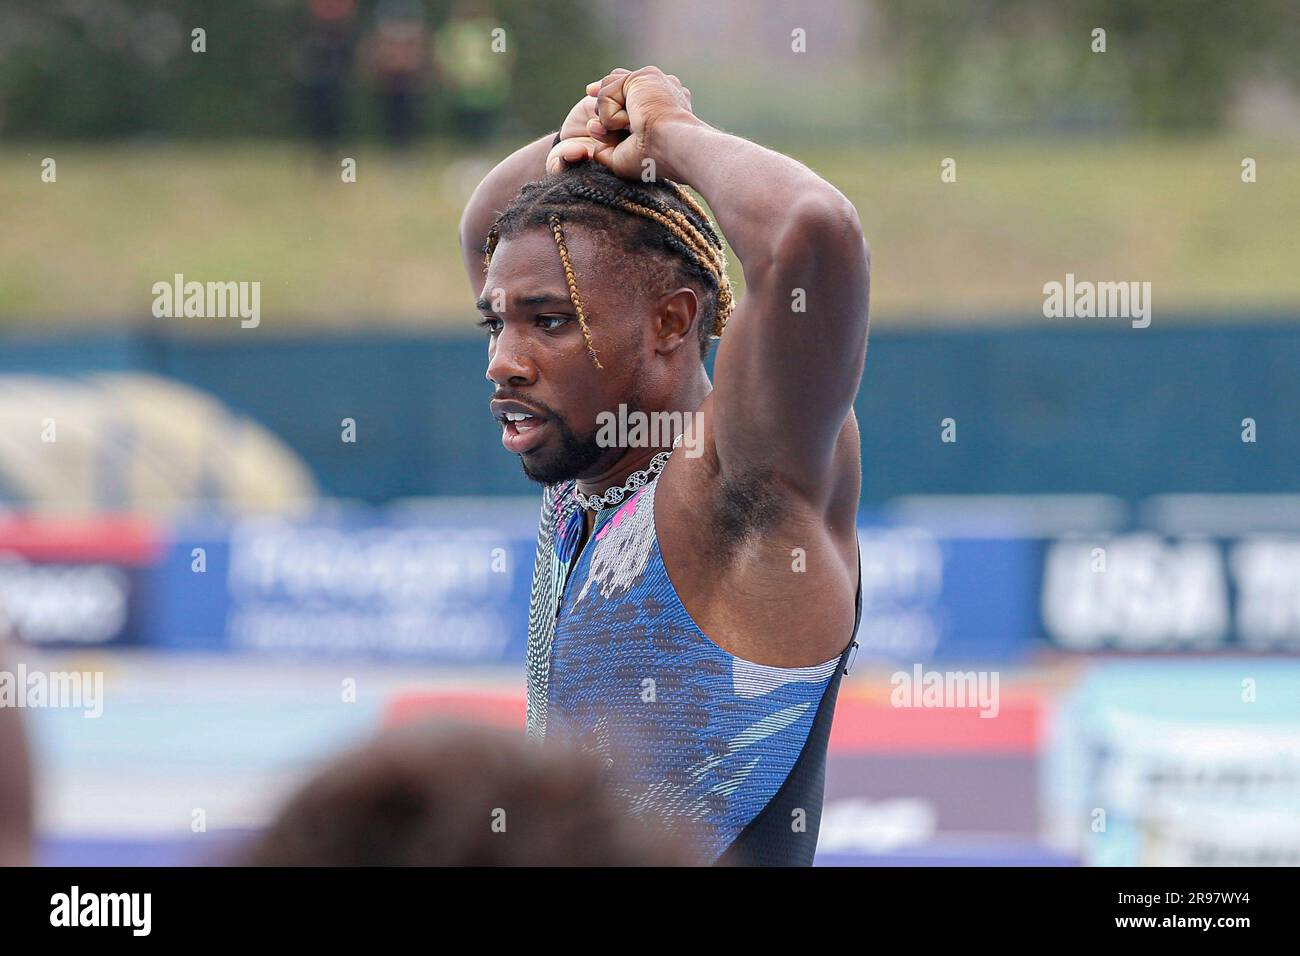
<point x="675" y="316"/>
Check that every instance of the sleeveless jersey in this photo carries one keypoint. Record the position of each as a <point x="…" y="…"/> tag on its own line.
<point x="734" y="750"/>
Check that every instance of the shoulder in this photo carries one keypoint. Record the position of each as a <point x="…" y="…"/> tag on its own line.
<point x="557" y="503"/>
<point x="554" y="496"/>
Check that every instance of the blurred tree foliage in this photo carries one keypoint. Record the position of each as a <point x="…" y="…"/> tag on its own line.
<point x="1169" y="64"/>
<point x="113" y="68"/>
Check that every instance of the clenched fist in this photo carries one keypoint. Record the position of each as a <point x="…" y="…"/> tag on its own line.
<point x="619" y="118"/>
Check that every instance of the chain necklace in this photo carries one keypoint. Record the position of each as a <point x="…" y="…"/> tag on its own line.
<point x="634" y="481"/>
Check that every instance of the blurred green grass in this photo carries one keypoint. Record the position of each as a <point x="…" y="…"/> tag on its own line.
<point x="86" y="249"/>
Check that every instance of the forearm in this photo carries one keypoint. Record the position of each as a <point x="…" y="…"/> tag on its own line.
<point x="493" y="194"/>
<point x="756" y="193"/>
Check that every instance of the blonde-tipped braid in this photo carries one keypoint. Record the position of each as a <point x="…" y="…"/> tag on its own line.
<point x="716" y="254"/>
<point x="569" y="277"/>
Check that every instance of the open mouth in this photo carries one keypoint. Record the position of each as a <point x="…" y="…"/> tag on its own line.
<point x="521" y="433"/>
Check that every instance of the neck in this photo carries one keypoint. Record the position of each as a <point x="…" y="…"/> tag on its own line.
<point x="686" y="401"/>
<point x="634" y="459"/>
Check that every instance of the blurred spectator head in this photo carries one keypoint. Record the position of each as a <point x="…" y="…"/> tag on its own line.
<point x="437" y="794"/>
<point x="331" y="11"/>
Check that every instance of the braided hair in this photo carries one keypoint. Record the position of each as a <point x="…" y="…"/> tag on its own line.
<point x="659" y="217"/>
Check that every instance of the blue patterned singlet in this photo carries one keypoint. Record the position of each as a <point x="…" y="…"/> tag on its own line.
<point x="690" y="732"/>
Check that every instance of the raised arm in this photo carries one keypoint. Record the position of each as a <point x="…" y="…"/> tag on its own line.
<point x="499" y="187"/>
<point x="791" y="359"/>
<point x="491" y="197"/>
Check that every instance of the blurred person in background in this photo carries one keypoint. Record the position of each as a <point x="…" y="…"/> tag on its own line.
<point x="324" y="59"/>
<point x="443" y="794"/>
<point x="474" y="73"/>
<point x="397" y="62"/>
<point x="15" y="782"/>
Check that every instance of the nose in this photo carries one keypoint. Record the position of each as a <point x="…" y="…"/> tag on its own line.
<point x="508" y="361"/>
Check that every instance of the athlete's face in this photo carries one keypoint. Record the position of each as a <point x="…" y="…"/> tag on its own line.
<point x="537" y="355"/>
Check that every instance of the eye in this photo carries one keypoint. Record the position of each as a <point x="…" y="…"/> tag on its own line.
<point x="490" y="325"/>
<point x="552" y="318"/>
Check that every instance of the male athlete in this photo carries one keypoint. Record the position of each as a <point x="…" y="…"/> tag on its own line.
<point x="691" y="613"/>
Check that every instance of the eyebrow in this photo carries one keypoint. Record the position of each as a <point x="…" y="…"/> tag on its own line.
<point x="524" y="301"/>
